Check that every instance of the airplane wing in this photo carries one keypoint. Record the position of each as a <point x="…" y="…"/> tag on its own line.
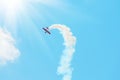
<point x="48" y="32"/>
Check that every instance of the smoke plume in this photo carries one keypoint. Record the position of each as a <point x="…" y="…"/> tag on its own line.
<point x="8" y="51"/>
<point x="69" y="41"/>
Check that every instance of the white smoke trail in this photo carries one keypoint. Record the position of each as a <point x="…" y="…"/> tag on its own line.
<point x="69" y="42"/>
<point x="8" y="51"/>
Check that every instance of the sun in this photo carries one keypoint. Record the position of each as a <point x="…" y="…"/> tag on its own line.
<point x="9" y="10"/>
<point x="10" y="6"/>
<point x="14" y="11"/>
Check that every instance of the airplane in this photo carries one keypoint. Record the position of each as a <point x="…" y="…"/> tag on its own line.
<point x="46" y="30"/>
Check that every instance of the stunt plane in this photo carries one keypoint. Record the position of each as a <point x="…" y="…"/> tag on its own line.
<point x="46" y="30"/>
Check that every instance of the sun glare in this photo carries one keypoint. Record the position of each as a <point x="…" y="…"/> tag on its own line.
<point x="9" y="6"/>
<point x="12" y="10"/>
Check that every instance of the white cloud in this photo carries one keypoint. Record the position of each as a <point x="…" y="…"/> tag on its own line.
<point x="8" y="51"/>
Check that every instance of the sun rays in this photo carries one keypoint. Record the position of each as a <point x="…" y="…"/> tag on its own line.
<point x="13" y="10"/>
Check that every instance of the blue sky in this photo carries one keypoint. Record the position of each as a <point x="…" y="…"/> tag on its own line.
<point x="95" y="23"/>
